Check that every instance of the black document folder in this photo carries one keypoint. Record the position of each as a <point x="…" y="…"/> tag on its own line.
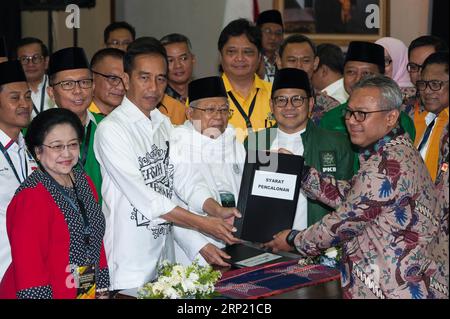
<point x="267" y="201"/>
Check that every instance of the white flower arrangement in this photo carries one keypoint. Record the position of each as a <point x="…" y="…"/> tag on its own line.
<point x="177" y="282"/>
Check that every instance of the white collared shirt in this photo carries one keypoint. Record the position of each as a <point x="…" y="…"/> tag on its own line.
<point x="294" y="144"/>
<point x="137" y="185"/>
<point x="204" y="167"/>
<point x="36" y="97"/>
<point x="337" y="91"/>
<point x="428" y="119"/>
<point x="24" y="164"/>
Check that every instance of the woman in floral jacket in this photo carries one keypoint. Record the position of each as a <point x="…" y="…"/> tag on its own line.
<point x="386" y="216"/>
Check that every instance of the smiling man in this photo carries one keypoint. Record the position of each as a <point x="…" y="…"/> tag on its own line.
<point x="16" y="162"/>
<point x="433" y="87"/>
<point x="295" y="132"/>
<point x="132" y="146"/>
<point x="109" y="90"/>
<point x="208" y="161"/>
<point x="240" y="55"/>
<point x="71" y="87"/>
<point x="385" y="212"/>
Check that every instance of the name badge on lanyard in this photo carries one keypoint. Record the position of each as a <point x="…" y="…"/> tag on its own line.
<point x="11" y="164"/>
<point x="85" y="282"/>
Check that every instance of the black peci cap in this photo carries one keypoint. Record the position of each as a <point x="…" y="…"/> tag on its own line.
<point x="206" y="88"/>
<point x="291" y="78"/>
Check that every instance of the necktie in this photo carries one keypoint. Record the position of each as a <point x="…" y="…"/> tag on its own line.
<point x="426" y="135"/>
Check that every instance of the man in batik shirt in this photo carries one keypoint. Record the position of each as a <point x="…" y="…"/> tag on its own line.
<point x="385" y="217"/>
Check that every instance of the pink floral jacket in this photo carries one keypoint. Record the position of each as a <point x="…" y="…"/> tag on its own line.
<point x="385" y="219"/>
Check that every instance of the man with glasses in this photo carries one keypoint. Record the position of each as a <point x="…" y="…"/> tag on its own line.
<point x="16" y="163"/>
<point x="33" y="55"/>
<point x="208" y="161"/>
<point x="298" y="51"/>
<point x="240" y="55"/>
<point x="384" y="217"/>
<point x="271" y="25"/>
<point x="119" y="35"/>
<point x="430" y="124"/>
<point x="71" y="87"/>
<point x="329" y="152"/>
<point x="109" y="89"/>
<point x="418" y="51"/>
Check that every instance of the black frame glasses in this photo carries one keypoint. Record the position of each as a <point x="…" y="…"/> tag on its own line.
<point x="35" y="59"/>
<point x="413" y="67"/>
<point x="210" y="111"/>
<point x="296" y="100"/>
<point x="359" y="116"/>
<point x="71" y="84"/>
<point x="113" y="80"/>
<point x="387" y="61"/>
<point x="434" y="85"/>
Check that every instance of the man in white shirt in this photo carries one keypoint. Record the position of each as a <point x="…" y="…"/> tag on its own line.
<point x="328" y="77"/>
<point x="15" y="161"/>
<point x="132" y="147"/>
<point x="208" y="160"/>
<point x="33" y="55"/>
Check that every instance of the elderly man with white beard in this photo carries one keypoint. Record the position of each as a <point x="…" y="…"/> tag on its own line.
<point x="208" y="160"/>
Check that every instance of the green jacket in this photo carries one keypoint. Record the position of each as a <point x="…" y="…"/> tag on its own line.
<point x="329" y="152"/>
<point x="91" y="167"/>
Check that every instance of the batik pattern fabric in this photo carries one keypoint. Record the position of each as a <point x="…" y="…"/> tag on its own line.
<point x="384" y="218"/>
<point x="440" y="246"/>
<point x="322" y="104"/>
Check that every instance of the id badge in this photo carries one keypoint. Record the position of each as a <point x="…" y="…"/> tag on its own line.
<point x="85" y="281"/>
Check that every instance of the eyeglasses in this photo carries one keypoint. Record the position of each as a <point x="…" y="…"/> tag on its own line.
<point x="111" y="79"/>
<point x="296" y="100"/>
<point x="117" y="43"/>
<point x="35" y="59"/>
<point x="360" y="116"/>
<point x="70" y="85"/>
<point x="387" y="61"/>
<point x="210" y="111"/>
<point x="413" y="67"/>
<point x="434" y="85"/>
<point x="59" y="148"/>
<point x="277" y="33"/>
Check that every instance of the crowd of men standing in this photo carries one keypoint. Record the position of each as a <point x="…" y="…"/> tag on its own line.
<point x="129" y="161"/>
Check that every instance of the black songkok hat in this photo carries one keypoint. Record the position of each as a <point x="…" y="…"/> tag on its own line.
<point x="11" y="71"/>
<point x="3" y="48"/>
<point x="205" y="88"/>
<point x="291" y="78"/>
<point x="366" y="52"/>
<point x="269" y="16"/>
<point x="67" y="59"/>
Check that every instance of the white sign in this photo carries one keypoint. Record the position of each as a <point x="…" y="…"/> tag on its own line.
<point x="258" y="260"/>
<point x="274" y="185"/>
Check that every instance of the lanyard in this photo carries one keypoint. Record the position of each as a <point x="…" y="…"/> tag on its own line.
<point x="86" y="144"/>
<point x="42" y="99"/>
<point x="11" y="164"/>
<point x="241" y="110"/>
<point x="81" y="207"/>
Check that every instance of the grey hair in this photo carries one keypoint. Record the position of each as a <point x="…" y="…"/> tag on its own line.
<point x="391" y="95"/>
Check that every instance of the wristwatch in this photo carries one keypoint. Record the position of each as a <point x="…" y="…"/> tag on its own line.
<point x="291" y="236"/>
